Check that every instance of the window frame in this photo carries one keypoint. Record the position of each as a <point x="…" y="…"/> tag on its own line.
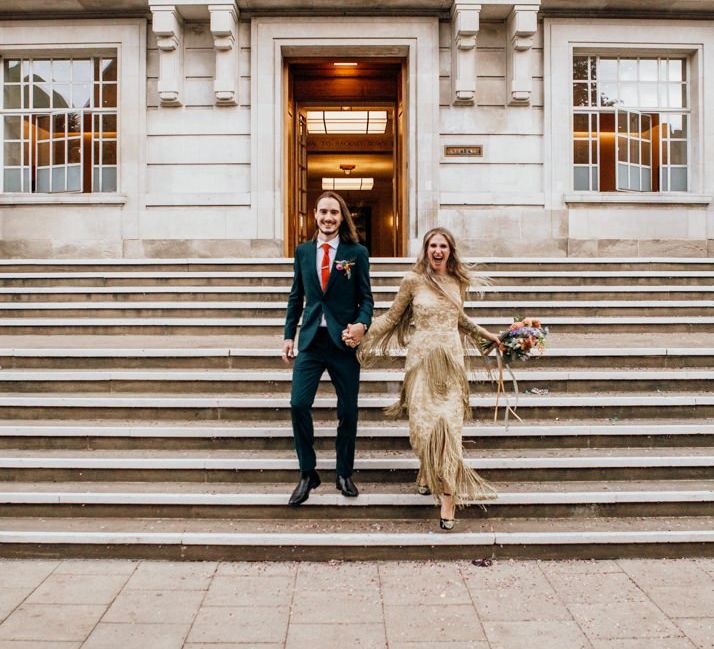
<point x="617" y="109"/>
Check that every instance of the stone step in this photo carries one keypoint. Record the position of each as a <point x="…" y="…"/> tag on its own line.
<point x="281" y="466"/>
<point x="205" y="309"/>
<point x="145" y="356"/>
<point x="364" y="539"/>
<point x="128" y="407"/>
<point x="267" y="501"/>
<point x="241" y="382"/>
<point x="264" y="294"/>
<point x="274" y="326"/>
<point x="378" y="263"/>
<point x="378" y="278"/>
<point x="82" y="435"/>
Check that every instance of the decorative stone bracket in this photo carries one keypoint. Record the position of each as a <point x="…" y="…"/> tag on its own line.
<point x="464" y="29"/>
<point x="167" y="24"/>
<point x="521" y="26"/>
<point x="224" y="27"/>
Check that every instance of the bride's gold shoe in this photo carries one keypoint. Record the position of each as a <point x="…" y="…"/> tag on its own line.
<point x="447" y="523"/>
<point x="423" y="490"/>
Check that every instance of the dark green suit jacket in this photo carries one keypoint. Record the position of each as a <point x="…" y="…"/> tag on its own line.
<point x="345" y="300"/>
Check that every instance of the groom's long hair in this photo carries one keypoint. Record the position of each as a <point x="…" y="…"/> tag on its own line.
<point x="348" y="232"/>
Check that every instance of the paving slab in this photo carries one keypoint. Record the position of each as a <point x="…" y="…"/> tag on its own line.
<point x="155" y="606"/>
<point x="51" y="622"/>
<point x="531" y="634"/>
<point x="78" y="589"/>
<point x="137" y="636"/>
<point x="246" y="624"/>
<point x="336" y="606"/>
<point x="241" y="590"/>
<point x="344" y="636"/>
<point x="622" y="620"/>
<point x="428" y="624"/>
<point x="151" y="575"/>
<point x="700" y="631"/>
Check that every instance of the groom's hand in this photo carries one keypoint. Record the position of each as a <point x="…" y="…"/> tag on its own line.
<point x="353" y="334"/>
<point x="288" y="351"/>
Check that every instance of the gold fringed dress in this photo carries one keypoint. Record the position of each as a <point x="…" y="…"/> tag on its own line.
<point x="435" y="393"/>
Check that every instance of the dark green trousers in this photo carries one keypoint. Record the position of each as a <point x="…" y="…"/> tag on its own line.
<point x="343" y="369"/>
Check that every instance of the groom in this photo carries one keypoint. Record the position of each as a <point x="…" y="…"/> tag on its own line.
<point x="332" y="280"/>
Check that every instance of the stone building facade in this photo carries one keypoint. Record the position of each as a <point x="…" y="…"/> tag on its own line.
<point x="185" y="128"/>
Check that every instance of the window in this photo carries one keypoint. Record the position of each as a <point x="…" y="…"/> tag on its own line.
<point x="630" y="124"/>
<point x="59" y="118"/>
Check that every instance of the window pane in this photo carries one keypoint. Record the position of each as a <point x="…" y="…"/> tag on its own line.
<point x="12" y="70"/>
<point x="665" y="153"/>
<point x="12" y="154"/>
<point x="41" y="70"/>
<point x="595" y="180"/>
<point x="581" y="178"/>
<point x="43" y="154"/>
<point x="622" y="180"/>
<point x="677" y="126"/>
<point x="580" y="68"/>
<point x="12" y="97"/>
<point x="82" y="71"/>
<point x="628" y="70"/>
<point x="608" y="94"/>
<point x="109" y="95"/>
<point x="677" y="95"/>
<point x="646" y="180"/>
<point x="645" y="153"/>
<point x="678" y="179"/>
<point x="634" y="178"/>
<point x="40" y="95"/>
<point x="58" y="150"/>
<point x="74" y="124"/>
<point x="580" y="94"/>
<point x="664" y="180"/>
<point x="634" y="123"/>
<point x="109" y="69"/>
<point x="61" y="70"/>
<point x="12" y="180"/>
<point x="42" y="124"/>
<point x="607" y="69"/>
<point x="648" y="70"/>
<point x="580" y="124"/>
<point x="593" y="151"/>
<point x="58" y="179"/>
<point x="622" y="122"/>
<point x="75" y="150"/>
<point x="677" y="70"/>
<point x="109" y="153"/>
<point x="109" y="179"/>
<point x="43" y="180"/>
<point x="109" y="125"/>
<point x="622" y="149"/>
<point x="81" y="96"/>
<point x="678" y="153"/>
<point x="635" y="151"/>
<point x="12" y="128"/>
<point x="628" y="94"/>
<point x="61" y="96"/>
<point x="663" y="95"/>
<point x="74" y="178"/>
<point x="580" y="151"/>
<point x="648" y="95"/>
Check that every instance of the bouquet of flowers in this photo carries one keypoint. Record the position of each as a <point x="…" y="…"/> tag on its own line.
<point x="523" y="340"/>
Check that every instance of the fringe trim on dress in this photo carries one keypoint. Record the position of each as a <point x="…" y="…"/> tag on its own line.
<point x="442" y="462"/>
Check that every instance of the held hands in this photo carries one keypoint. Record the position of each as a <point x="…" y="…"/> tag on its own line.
<point x="353" y="333"/>
<point x="288" y="351"/>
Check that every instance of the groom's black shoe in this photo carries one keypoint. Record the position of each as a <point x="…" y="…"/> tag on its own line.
<point x="308" y="480"/>
<point x="347" y="487"/>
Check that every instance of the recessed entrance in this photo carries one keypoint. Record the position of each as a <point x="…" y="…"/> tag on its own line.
<point x="346" y="130"/>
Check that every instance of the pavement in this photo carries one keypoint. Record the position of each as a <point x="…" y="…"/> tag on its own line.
<point x="119" y="604"/>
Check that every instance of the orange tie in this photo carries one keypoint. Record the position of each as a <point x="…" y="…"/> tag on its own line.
<point x="325" y="265"/>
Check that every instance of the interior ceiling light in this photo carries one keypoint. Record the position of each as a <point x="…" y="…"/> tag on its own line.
<point x="344" y="64"/>
<point x="354" y="122"/>
<point x="348" y="169"/>
<point x="348" y="184"/>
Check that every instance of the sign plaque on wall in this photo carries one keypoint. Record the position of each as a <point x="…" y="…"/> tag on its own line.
<point x="471" y="151"/>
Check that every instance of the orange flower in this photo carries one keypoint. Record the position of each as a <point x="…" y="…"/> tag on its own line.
<point x="517" y="325"/>
<point x="536" y="324"/>
<point x="528" y="322"/>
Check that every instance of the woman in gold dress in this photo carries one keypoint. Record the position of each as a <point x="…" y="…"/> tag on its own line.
<point x="427" y="318"/>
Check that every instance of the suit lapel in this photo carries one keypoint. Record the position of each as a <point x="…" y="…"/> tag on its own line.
<point x="333" y="270"/>
<point x="311" y="270"/>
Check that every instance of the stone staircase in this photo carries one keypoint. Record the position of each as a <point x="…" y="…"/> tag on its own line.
<point x="144" y="412"/>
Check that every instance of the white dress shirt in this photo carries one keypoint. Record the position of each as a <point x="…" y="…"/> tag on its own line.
<point x="334" y="242"/>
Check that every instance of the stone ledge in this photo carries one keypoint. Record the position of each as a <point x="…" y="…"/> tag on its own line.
<point x="626" y="198"/>
<point x="62" y="199"/>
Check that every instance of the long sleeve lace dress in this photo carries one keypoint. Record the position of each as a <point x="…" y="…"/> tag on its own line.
<point x="435" y="393"/>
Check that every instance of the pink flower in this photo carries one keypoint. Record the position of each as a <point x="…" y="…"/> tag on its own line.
<point x="339" y="266"/>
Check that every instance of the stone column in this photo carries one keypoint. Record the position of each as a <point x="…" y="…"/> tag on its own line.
<point x="464" y="28"/>
<point x="167" y="24"/>
<point x="224" y="27"/>
<point x="521" y="27"/>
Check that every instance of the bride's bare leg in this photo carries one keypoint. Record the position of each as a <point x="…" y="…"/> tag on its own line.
<point x="448" y="506"/>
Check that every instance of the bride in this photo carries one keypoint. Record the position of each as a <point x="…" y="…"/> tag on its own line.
<point x="427" y="318"/>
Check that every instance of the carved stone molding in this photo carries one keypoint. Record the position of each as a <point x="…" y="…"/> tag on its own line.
<point x="521" y="26"/>
<point x="224" y="27"/>
<point x="167" y="24"/>
<point x="464" y="29"/>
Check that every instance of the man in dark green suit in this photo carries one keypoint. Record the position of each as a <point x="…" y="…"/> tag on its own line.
<point x="331" y="290"/>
